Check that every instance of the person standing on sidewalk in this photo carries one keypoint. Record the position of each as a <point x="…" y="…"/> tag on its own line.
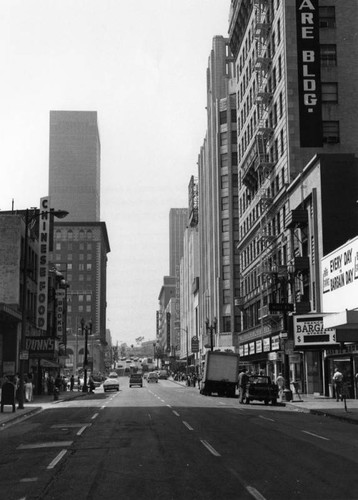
<point x="243" y="380"/>
<point x="280" y="381"/>
<point x="338" y="384"/>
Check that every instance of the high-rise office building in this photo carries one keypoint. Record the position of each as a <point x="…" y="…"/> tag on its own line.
<point x="81" y="241"/>
<point x="74" y="168"/>
<point x="178" y="221"/>
<point x="295" y="88"/>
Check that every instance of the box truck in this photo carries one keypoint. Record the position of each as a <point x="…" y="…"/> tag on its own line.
<point x="221" y="372"/>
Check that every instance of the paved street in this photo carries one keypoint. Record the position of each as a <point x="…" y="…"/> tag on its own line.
<point x="166" y="441"/>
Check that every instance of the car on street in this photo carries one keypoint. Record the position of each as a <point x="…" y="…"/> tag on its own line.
<point x="163" y="374"/>
<point x="136" y="379"/>
<point x="261" y="388"/>
<point x="111" y="383"/>
<point x="152" y="377"/>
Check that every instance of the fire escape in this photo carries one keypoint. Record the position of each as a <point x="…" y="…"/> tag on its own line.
<point x="257" y="164"/>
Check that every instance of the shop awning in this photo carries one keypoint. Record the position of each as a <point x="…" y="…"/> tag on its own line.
<point x="347" y="320"/>
<point x="45" y="363"/>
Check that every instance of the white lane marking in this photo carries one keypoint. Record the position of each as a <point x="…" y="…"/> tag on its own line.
<point x="210" y="448"/>
<point x="50" y="444"/>
<point x="57" y="459"/>
<point x="102" y="408"/>
<point x="29" y="480"/>
<point x="168" y="406"/>
<point x="187" y="426"/>
<point x="81" y="430"/>
<point x="149" y="416"/>
<point x="256" y="494"/>
<point x="316" y="435"/>
<point x="221" y="403"/>
<point x="94" y="416"/>
<point x="176" y="413"/>
<point x="266" y="418"/>
<point x="66" y="426"/>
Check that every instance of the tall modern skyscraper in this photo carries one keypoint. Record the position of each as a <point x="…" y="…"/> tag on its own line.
<point x="178" y="221"/>
<point x="81" y="240"/>
<point x="74" y="173"/>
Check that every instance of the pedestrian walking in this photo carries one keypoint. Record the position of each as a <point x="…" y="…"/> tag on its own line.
<point x="243" y="381"/>
<point x="28" y="389"/>
<point x="280" y="382"/>
<point x="72" y="382"/>
<point x="338" y="384"/>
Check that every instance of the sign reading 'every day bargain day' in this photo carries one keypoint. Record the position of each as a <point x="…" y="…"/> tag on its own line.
<point x="340" y="278"/>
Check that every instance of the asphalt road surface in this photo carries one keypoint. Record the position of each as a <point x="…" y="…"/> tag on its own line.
<point x="167" y="442"/>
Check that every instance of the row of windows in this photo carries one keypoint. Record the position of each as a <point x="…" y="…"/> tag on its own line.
<point x="80" y="308"/>
<point x="69" y="246"/>
<point x="69" y="256"/>
<point x="62" y="234"/>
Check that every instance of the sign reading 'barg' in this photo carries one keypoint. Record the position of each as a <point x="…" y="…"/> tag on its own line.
<point x="309" y="73"/>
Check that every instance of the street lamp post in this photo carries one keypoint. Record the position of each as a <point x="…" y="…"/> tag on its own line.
<point x="86" y="328"/>
<point x="211" y="329"/>
<point x="283" y="275"/>
<point x="28" y="219"/>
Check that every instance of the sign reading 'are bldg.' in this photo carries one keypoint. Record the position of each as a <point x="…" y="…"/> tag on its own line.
<point x="340" y="278"/>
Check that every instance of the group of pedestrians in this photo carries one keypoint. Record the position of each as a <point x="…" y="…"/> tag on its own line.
<point x="244" y="380"/>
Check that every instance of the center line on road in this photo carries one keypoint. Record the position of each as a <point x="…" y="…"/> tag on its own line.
<point x="94" y="416"/>
<point x="51" y="444"/>
<point x="187" y="426"/>
<point x="210" y="448"/>
<point x="256" y="494"/>
<point x="57" y="459"/>
<point x="176" y="413"/>
<point x="81" y="430"/>
<point x="168" y="406"/>
<point x="316" y="435"/>
<point x="266" y="418"/>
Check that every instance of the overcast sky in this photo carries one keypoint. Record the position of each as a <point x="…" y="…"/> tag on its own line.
<point x="141" y="64"/>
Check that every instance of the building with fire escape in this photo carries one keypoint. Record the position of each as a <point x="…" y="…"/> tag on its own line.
<point x="295" y="90"/>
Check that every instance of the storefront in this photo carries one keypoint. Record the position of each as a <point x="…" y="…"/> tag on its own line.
<point x="340" y="299"/>
<point x="311" y="340"/>
<point x="264" y="355"/>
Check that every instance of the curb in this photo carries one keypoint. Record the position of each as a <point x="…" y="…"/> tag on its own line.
<point x="13" y="419"/>
<point x="343" y="418"/>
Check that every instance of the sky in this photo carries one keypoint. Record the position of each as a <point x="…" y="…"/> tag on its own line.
<point x="141" y="64"/>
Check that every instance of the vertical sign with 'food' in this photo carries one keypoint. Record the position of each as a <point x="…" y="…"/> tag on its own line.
<point x="42" y="287"/>
<point x="309" y="73"/>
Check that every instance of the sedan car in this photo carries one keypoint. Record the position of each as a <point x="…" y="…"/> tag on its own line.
<point x="135" y="379"/>
<point x="260" y="388"/>
<point x="152" y="377"/>
<point x="111" y="383"/>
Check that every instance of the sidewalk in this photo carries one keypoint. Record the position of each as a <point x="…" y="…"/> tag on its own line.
<point x="39" y="403"/>
<point x="317" y="405"/>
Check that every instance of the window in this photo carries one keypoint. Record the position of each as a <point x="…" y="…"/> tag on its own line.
<point x="69" y="234"/>
<point x="80" y="277"/>
<point x="226" y="272"/>
<point x="234" y="159"/>
<point x="58" y="234"/>
<point x="81" y="267"/>
<point x="88" y="308"/>
<point x="329" y="55"/>
<point x="224" y="181"/>
<point x="88" y="267"/>
<point x="81" y="246"/>
<point x="233" y="137"/>
<point x="81" y="256"/>
<point x="58" y="257"/>
<point x="88" y="298"/>
<point x="81" y="234"/>
<point x="225" y="225"/>
<point x="225" y="248"/>
<point x="69" y="267"/>
<point x="226" y="324"/>
<point x="223" y="117"/>
<point x="225" y="203"/>
<point x="330" y="92"/>
<point x="233" y="116"/>
<point x="226" y="296"/>
<point x="58" y="246"/>
<point x="89" y="235"/>
<point x="89" y="245"/>
<point x="281" y="104"/>
<point x="327" y="17"/>
<point x="224" y="160"/>
<point x="80" y="297"/>
<point x="89" y="256"/>
<point x="330" y="132"/>
<point x="69" y="256"/>
<point x="223" y="139"/>
<point x="282" y="142"/>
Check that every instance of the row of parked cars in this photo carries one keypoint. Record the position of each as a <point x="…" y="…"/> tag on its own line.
<point x="136" y="379"/>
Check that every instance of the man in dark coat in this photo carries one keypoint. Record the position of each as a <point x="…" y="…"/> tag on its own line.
<point x="243" y="380"/>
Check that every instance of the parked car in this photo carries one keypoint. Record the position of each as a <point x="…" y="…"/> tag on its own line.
<point x="152" y="377"/>
<point x="261" y="388"/>
<point x="136" y="379"/>
<point x="163" y="374"/>
<point x="111" y="383"/>
<point x="98" y="380"/>
<point x="145" y="375"/>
